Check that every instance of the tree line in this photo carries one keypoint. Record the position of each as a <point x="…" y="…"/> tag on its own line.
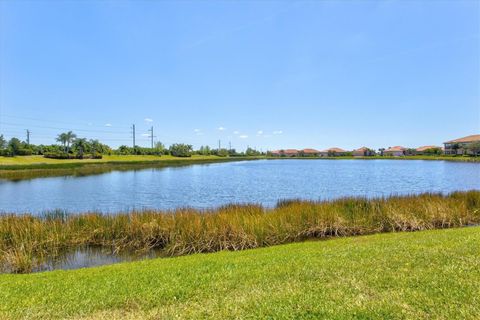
<point x="70" y="146"/>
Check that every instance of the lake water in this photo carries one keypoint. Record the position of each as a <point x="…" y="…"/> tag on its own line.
<point x="212" y="185"/>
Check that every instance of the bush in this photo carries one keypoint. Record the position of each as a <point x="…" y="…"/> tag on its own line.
<point x="65" y="156"/>
<point x="181" y="150"/>
<point x="58" y="155"/>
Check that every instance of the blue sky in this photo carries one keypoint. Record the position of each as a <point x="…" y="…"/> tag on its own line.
<point x="268" y="74"/>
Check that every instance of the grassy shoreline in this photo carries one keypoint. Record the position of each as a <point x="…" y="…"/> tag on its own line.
<point x="423" y="275"/>
<point x="26" y="241"/>
<point x="36" y="169"/>
<point x="28" y="167"/>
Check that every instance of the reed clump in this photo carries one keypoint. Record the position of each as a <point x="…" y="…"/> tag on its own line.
<point x="27" y="240"/>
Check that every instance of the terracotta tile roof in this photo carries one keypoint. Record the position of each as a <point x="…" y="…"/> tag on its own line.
<point x="472" y="138"/>
<point x="362" y="149"/>
<point x="427" y="147"/>
<point x="335" y="149"/>
<point x="396" y="148"/>
<point x="290" y="151"/>
<point x="310" y="151"/>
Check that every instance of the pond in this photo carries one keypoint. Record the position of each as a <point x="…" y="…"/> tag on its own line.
<point x="211" y="185"/>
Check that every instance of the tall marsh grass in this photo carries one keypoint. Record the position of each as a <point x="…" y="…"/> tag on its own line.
<point x="26" y="240"/>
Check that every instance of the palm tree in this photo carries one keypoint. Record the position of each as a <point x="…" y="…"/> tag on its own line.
<point x="62" y="138"/>
<point x="96" y="146"/>
<point x="70" y="137"/>
<point x="66" y="139"/>
<point x="80" y="145"/>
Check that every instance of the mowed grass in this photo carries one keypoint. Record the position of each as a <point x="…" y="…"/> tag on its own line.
<point x="419" y="275"/>
<point x="27" y="241"/>
<point x="17" y="168"/>
<point x="27" y="160"/>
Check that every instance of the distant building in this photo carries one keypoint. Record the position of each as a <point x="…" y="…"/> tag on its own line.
<point x="462" y="145"/>
<point x="397" y="151"/>
<point x="290" y="152"/>
<point x="428" y="150"/>
<point x="276" y="153"/>
<point x="363" y="152"/>
<point x="310" y="152"/>
<point x="332" y="152"/>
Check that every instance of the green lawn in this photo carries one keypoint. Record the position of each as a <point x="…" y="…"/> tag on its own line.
<point x="26" y="160"/>
<point x="421" y="275"/>
<point x="27" y="167"/>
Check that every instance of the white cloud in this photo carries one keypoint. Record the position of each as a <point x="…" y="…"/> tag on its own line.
<point x="243" y="136"/>
<point x="236" y="132"/>
<point x="278" y="132"/>
<point x="221" y="128"/>
<point x="259" y="132"/>
<point x="196" y="130"/>
<point x="145" y="135"/>
<point x="148" y="120"/>
<point x="108" y="124"/>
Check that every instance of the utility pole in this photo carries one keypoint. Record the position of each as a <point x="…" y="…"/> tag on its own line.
<point x="28" y="137"/>
<point x="133" y="135"/>
<point x="229" y="145"/>
<point x="219" y="145"/>
<point x="151" y="135"/>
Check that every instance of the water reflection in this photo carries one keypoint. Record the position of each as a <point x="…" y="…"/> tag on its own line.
<point x="85" y="257"/>
<point x="263" y="182"/>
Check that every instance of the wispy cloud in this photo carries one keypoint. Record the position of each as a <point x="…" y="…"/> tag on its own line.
<point x="278" y="132"/>
<point x="221" y="129"/>
<point x="148" y="120"/>
<point x="243" y="136"/>
<point x="108" y="124"/>
<point x="145" y="135"/>
<point x="259" y="132"/>
<point x="236" y="132"/>
<point x="220" y="34"/>
<point x="198" y="132"/>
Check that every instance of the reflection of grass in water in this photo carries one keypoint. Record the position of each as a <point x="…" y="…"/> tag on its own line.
<point x="87" y="256"/>
<point x="27" y="241"/>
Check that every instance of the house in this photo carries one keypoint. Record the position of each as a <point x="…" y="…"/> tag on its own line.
<point x="275" y="153"/>
<point x="397" y="151"/>
<point x="463" y="145"/>
<point x="310" y="152"/>
<point x="332" y="152"/>
<point x="428" y="150"/>
<point x="363" y="152"/>
<point x="289" y="153"/>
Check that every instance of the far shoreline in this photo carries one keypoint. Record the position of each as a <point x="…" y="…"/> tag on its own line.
<point x="29" y="167"/>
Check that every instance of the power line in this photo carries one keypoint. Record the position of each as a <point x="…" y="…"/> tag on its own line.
<point x="58" y="128"/>
<point x="151" y="136"/>
<point x="56" y="121"/>
<point x="133" y="135"/>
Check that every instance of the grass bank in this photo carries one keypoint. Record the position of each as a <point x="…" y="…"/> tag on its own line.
<point x="27" y="241"/>
<point x="421" y="275"/>
<point x="28" y="167"/>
